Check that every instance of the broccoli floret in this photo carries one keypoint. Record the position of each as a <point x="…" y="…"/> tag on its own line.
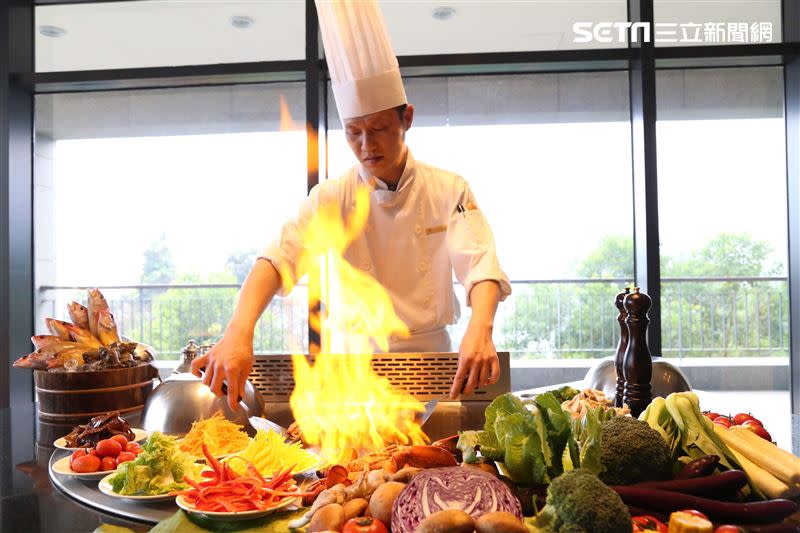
<point x="566" y="393"/>
<point x="578" y="502"/>
<point x="631" y="451"/>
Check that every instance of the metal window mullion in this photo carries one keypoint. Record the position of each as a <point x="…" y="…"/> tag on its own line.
<point x="791" y="79"/>
<point x="316" y="131"/>
<point x="642" y="82"/>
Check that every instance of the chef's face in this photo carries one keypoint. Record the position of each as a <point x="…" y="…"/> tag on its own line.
<point x="378" y="141"/>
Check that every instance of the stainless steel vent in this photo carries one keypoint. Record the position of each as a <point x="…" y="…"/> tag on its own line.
<point x="425" y="375"/>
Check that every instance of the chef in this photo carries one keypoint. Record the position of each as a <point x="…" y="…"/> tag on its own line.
<point x="424" y="223"/>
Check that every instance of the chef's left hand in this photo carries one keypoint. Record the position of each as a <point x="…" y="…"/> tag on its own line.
<point x="478" y="365"/>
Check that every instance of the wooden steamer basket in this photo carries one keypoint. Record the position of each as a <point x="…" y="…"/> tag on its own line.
<point x="66" y="399"/>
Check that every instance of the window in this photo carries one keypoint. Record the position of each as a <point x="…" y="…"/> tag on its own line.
<point x="180" y="188"/>
<point x="433" y="27"/>
<point x="548" y="157"/>
<point x="112" y="35"/>
<point x="722" y="204"/>
<point x="716" y="22"/>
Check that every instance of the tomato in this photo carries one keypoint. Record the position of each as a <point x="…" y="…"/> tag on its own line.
<point x="76" y="454"/>
<point x="758" y="429"/>
<point x="694" y="512"/>
<point x="133" y="447"/>
<point x="711" y="415"/>
<point x="124" y="457"/>
<point x="646" y="522"/>
<point x="108" y="463"/>
<point x="728" y="529"/>
<point x="723" y="421"/>
<point x="123" y="441"/>
<point x="92" y="451"/>
<point x="108" y="448"/>
<point x="365" y="524"/>
<point x="86" y="464"/>
<point x="740" y="418"/>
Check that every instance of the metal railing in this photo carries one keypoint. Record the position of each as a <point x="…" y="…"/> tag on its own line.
<point x="565" y="318"/>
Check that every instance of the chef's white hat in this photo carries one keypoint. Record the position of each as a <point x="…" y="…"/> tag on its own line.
<point x="364" y="72"/>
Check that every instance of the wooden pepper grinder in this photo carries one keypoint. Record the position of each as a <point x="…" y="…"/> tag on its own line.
<point x="638" y="365"/>
<point x="619" y="360"/>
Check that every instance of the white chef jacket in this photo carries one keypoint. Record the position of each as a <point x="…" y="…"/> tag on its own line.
<point x="415" y="237"/>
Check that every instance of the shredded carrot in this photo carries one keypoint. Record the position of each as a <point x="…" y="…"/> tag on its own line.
<point x="221" y="436"/>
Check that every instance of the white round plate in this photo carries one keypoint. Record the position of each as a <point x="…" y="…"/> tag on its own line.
<point x="62" y="468"/>
<point x="139" y="435"/>
<point x="231" y="517"/>
<point x="106" y="488"/>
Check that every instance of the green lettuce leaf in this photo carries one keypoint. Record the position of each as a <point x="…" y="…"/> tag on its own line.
<point x="523" y="459"/>
<point x="504" y="405"/>
<point x="587" y="433"/>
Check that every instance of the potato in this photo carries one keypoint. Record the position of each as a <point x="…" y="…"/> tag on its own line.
<point x="380" y="505"/>
<point x="450" y="521"/>
<point x="354" y="508"/>
<point x="327" y="518"/>
<point x="499" y="522"/>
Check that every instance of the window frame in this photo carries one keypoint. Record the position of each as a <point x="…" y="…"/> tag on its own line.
<point x="641" y="60"/>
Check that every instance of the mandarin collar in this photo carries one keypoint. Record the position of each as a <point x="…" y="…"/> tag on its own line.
<point x="380" y="190"/>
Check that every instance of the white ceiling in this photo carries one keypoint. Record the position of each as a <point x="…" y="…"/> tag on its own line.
<point x="182" y="32"/>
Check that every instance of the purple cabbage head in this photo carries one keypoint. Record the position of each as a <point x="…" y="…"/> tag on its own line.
<point x="471" y="490"/>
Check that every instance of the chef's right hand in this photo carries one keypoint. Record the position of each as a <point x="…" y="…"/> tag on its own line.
<point x="230" y="360"/>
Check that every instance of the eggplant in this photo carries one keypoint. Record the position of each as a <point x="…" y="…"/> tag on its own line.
<point x="701" y="467"/>
<point x="724" y="484"/>
<point x="748" y="513"/>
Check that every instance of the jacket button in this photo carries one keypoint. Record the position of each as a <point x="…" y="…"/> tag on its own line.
<point x="418" y="229"/>
<point x="423" y="266"/>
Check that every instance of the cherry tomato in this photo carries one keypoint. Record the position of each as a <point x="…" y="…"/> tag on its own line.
<point x="92" y="451"/>
<point x="723" y="421"/>
<point x="740" y="418"/>
<point x="123" y="441"/>
<point x="728" y="529"/>
<point x="108" y="448"/>
<point x="124" y="457"/>
<point x="694" y="512"/>
<point x="758" y="429"/>
<point x="108" y="463"/>
<point x="133" y="447"/>
<point x="86" y="464"/>
<point x="648" y="523"/>
<point x="365" y="524"/>
<point x="711" y="415"/>
<point x="76" y="454"/>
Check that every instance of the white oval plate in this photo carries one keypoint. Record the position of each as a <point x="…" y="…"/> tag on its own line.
<point x="139" y="435"/>
<point x="62" y="468"/>
<point x="231" y="517"/>
<point x="106" y="488"/>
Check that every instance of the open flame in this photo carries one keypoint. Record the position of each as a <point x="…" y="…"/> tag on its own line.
<point x="340" y="403"/>
<point x="286" y="123"/>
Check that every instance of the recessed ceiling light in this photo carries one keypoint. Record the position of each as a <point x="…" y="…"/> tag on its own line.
<point x="443" y="12"/>
<point x="51" y="31"/>
<point x="242" y="21"/>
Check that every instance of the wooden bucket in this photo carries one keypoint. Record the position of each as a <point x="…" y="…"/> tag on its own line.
<point x="66" y="399"/>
